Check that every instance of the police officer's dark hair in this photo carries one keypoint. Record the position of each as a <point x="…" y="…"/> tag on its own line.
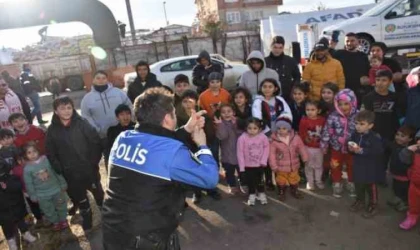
<point x="16" y="116"/>
<point x="272" y="81"/>
<point x="122" y="108"/>
<point x="6" y="133"/>
<point x="351" y="34"/>
<point x="384" y="73"/>
<point x="365" y="116"/>
<point x="259" y="123"/>
<point x="152" y="106"/>
<point x="64" y="100"/>
<point x="189" y="93"/>
<point x="100" y="72"/>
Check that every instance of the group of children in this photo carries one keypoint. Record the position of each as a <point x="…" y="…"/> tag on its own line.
<point x="335" y="136"/>
<point x="31" y="183"/>
<point x="304" y="139"/>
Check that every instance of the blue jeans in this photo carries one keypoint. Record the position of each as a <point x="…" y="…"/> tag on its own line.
<point x="34" y="96"/>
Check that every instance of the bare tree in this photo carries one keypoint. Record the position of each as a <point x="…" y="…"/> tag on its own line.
<point x="320" y="6"/>
<point x="214" y="28"/>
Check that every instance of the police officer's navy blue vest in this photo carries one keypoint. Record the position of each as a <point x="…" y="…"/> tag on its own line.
<point x="144" y="153"/>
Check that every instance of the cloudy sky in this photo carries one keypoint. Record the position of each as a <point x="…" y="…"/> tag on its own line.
<point x="148" y="14"/>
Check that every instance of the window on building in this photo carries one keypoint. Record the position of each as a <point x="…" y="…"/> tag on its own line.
<point x="254" y="15"/>
<point x="233" y="17"/>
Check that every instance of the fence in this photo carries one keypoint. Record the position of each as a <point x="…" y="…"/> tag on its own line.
<point x="237" y="48"/>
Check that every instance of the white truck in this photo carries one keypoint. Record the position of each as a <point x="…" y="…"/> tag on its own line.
<point x="285" y="24"/>
<point x="394" y="22"/>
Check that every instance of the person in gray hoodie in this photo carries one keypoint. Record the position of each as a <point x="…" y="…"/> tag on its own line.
<point x="257" y="72"/>
<point x="98" y="106"/>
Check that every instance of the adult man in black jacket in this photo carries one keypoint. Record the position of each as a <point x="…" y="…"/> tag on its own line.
<point x="148" y="167"/>
<point x="284" y="65"/>
<point x="144" y="80"/>
<point x="355" y="65"/>
<point x="202" y="70"/>
<point x="74" y="149"/>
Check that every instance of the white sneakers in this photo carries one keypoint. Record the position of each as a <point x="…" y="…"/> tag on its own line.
<point x="263" y="198"/>
<point x="251" y="200"/>
<point x="320" y="185"/>
<point x="310" y="186"/>
<point x="337" y="189"/>
<point x="12" y="244"/>
<point x="352" y="189"/>
<point x="29" y="237"/>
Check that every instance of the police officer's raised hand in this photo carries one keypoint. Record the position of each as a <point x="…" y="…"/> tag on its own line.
<point x="196" y="120"/>
<point x="199" y="137"/>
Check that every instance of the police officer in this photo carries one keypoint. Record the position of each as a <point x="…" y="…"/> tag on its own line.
<point x="149" y="167"/>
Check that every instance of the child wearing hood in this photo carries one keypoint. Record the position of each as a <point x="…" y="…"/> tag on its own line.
<point x="258" y="71"/>
<point x="285" y="148"/>
<point x="336" y="134"/>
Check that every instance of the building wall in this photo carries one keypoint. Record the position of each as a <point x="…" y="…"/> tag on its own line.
<point x="239" y="14"/>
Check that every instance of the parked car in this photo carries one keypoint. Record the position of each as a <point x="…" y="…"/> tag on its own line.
<point x="395" y="22"/>
<point x="166" y="70"/>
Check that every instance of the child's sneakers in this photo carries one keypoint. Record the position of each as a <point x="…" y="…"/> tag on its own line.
<point x="310" y="186"/>
<point x="402" y="207"/>
<point x="409" y="222"/>
<point x="370" y="212"/>
<point x="29" y="237"/>
<point x="233" y="190"/>
<point x="251" y="200"/>
<point x="394" y="202"/>
<point x="294" y="191"/>
<point x="64" y="225"/>
<point x="263" y="198"/>
<point x="357" y="206"/>
<point x="320" y="185"/>
<point x="352" y="189"/>
<point x="282" y="193"/>
<point x="337" y="189"/>
<point x="12" y="244"/>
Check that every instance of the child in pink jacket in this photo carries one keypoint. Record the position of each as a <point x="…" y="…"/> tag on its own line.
<point x="252" y="153"/>
<point x="285" y="149"/>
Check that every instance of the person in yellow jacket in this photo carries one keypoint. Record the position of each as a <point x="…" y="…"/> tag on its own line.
<point x="321" y="70"/>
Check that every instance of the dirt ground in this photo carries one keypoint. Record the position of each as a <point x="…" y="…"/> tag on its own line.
<point x="319" y="221"/>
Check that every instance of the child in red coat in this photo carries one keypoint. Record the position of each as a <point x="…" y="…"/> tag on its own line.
<point x="26" y="132"/>
<point x="376" y="65"/>
<point x="310" y="131"/>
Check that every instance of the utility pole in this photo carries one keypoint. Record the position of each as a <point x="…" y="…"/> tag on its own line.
<point x="130" y="18"/>
<point x="164" y="9"/>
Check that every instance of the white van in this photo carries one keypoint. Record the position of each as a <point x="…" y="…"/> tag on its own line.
<point x="394" y="22"/>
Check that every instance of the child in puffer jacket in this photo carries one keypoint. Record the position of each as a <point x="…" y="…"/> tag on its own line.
<point x="285" y="148"/>
<point x="336" y="134"/>
<point x="411" y="156"/>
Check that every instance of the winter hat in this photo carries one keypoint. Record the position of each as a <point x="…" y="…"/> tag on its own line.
<point x="215" y="76"/>
<point x="283" y="122"/>
<point x="181" y="78"/>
